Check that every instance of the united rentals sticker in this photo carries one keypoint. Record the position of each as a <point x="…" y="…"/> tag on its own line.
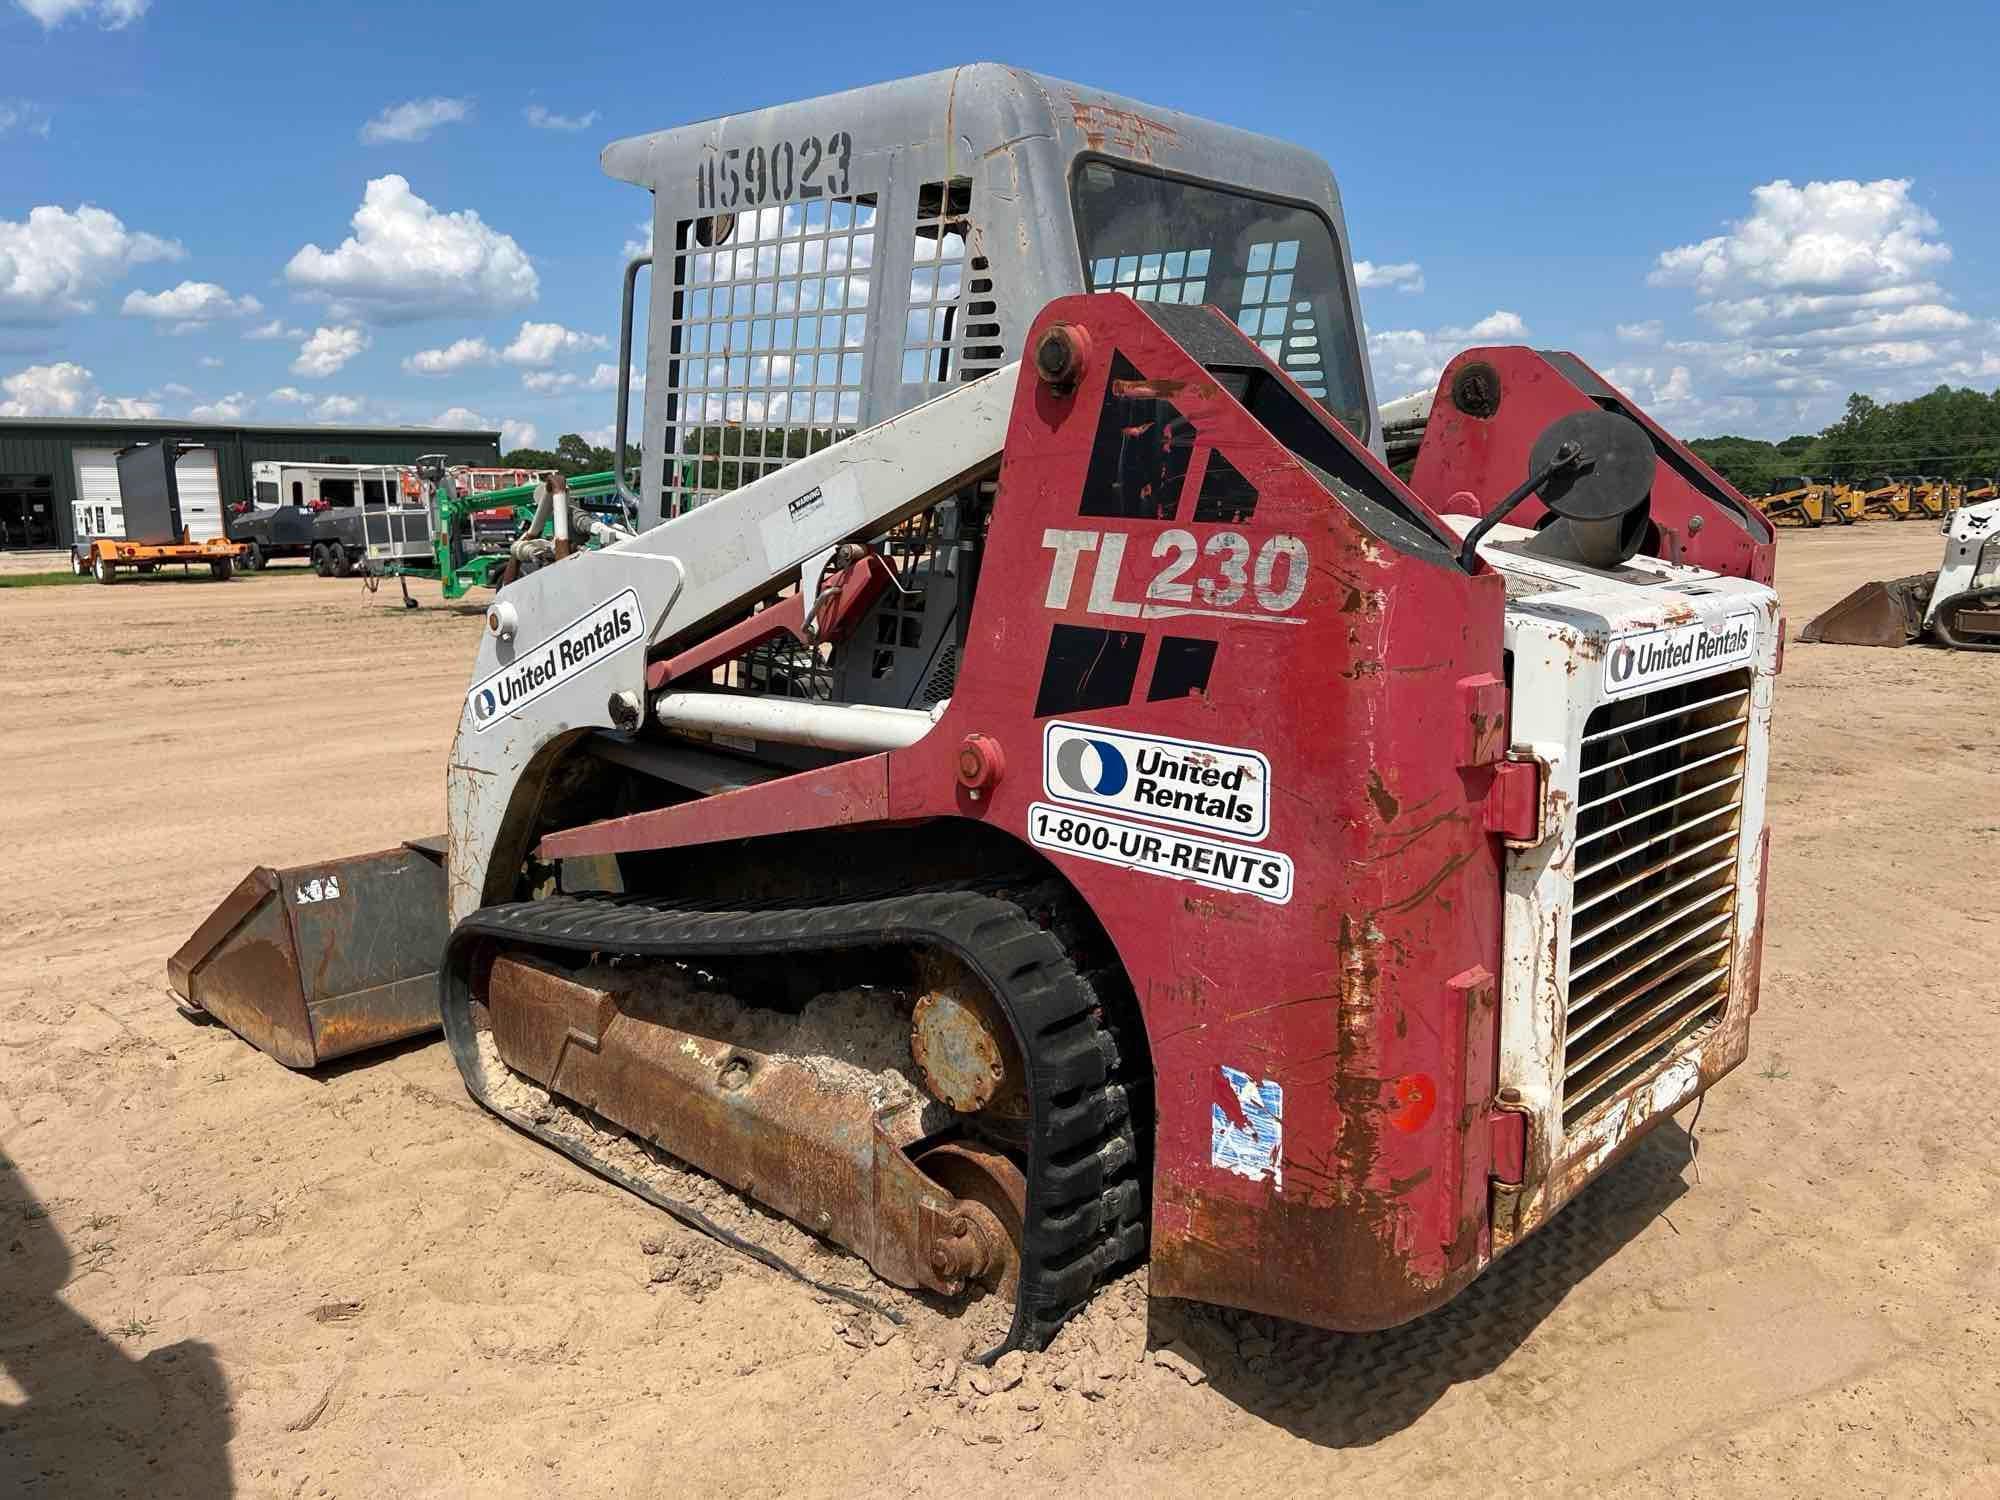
<point x="1655" y="658"/>
<point x="1217" y="788"/>
<point x="583" y="643"/>
<point x="1243" y="868"/>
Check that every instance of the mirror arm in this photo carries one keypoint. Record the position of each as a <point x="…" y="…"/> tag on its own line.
<point x="1568" y="456"/>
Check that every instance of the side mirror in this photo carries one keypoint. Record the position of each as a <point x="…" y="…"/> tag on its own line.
<point x="1602" y="502"/>
<point x="1594" y="470"/>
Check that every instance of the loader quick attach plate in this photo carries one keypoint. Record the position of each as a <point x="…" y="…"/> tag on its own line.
<point x="320" y="960"/>
<point x="1082" y="1213"/>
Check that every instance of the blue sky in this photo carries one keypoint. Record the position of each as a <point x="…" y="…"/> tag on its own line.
<point x="1740" y="213"/>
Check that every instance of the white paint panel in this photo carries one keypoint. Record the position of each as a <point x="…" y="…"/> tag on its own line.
<point x="97" y="487"/>
<point x="200" y="488"/>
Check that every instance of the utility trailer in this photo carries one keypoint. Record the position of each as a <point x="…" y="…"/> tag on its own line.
<point x="156" y="529"/>
<point x="1301" y="878"/>
<point x="316" y="511"/>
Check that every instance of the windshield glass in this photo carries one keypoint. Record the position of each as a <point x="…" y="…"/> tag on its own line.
<point x="1272" y="267"/>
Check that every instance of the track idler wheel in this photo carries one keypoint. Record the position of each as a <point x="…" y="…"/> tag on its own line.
<point x="994" y="1201"/>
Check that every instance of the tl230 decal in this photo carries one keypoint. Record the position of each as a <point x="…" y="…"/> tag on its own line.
<point x="1223" y="576"/>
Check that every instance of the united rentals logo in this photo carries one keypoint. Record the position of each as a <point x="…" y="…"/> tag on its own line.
<point x="1092" y="766"/>
<point x="1219" y="788"/>
<point x="1655" y="658"/>
<point x="582" y="644"/>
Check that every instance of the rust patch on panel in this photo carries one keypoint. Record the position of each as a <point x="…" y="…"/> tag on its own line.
<point x="1123" y="131"/>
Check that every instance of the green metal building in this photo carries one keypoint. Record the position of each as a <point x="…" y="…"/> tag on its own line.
<point x="47" y="464"/>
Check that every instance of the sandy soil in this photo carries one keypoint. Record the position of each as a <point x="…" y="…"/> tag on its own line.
<point x="218" y="1273"/>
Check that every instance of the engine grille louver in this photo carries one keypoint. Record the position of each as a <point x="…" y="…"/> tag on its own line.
<point x="1653" y="923"/>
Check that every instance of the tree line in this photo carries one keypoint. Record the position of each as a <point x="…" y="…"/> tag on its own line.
<point x="1948" y="434"/>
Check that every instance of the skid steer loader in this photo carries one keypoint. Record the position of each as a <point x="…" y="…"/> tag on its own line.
<point x="1884" y="499"/>
<point x="1928" y="497"/>
<point x="1957" y="606"/>
<point x="1306" y="879"/>
<point x="1798" y="500"/>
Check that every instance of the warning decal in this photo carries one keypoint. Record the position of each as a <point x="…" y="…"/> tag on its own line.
<point x="1247" y="1126"/>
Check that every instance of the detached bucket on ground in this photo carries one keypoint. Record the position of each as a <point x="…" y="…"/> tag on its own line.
<point x="322" y="960"/>
<point x="1876" y="614"/>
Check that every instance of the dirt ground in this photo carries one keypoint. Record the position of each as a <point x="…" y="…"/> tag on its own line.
<point x="220" y="1274"/>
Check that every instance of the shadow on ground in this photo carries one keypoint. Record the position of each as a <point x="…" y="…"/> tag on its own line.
<point x="96" y="1422"/>
<point x="1352" y="1390"/>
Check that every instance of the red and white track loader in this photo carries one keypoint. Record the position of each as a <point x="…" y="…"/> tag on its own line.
<point x="1302" y="878"/>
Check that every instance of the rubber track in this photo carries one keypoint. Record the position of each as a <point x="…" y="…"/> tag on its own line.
<point x="1947" y="611"/>
<point x="1085" y="1214"/>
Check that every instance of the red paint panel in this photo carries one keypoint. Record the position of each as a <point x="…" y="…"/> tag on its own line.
<point x="855" y="791"/>
<point x="1469" y="462"/>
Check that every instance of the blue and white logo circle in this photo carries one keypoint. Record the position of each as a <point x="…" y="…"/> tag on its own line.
<point x="484" y="703"/>
<point x="1092" y="767"/>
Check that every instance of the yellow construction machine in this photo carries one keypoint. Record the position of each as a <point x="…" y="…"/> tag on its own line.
<point x="1884" y="499"/>
<point x="1799" y="500"/>
<point x="1927" y="497"/>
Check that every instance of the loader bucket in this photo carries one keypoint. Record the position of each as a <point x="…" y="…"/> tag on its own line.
<point x="321" y="960"/>
<point x="1876" y="614"/>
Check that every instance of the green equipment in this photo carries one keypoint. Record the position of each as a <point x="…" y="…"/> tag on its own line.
<point x="466" y="541"/>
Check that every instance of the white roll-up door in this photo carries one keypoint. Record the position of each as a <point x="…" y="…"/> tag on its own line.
<point x="200" y="489"/>
<point x="98" y="512"/>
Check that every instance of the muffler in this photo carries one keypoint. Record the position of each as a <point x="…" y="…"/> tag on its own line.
<point x="323" y="960"/>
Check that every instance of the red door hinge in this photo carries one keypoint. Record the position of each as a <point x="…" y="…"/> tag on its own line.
<point x="1513" y="807"/>
<point x="1507" y="1130"/>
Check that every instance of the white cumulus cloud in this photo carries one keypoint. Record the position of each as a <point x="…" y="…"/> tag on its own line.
<point x="51" y="261"/>
<point x="191" y="305"/>
<point x="453" y="357"/>
<point x="1657" y="390"/>
<point x="1826" y="236"/>
<point x="127" y="408"/>
<point x="25" y="116"/>
<point x="336" y="409"/>
<point x="413" y="120"/>
<point x="68" y="389"/>
<point x="1820" y="289"/>
<point x="513" y="434"/>
<point x="57" y="390"/>
<point x="1411" y="359"/>
<point x="545" y="343"/>
<point x="327" y="350"/>
<point x="290" y="395"/>
<point x="548" y="382"/>
<point x="1647" y="332"/>
<point x="408" y="260"/>
<point x="276" y="329"/>
<point x="233" y="407"/>
<point x="543" y="118"/>
<point x="112" y="15"/>
<point x="1404" y="276"/>
<point x="210" y="362"/>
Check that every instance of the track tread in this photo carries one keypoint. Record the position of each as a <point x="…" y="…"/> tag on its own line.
<point x="1086" y="1198"/>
